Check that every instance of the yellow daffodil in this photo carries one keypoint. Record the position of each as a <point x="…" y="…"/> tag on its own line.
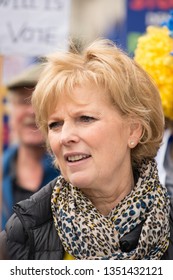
<point x="153" y="53"/>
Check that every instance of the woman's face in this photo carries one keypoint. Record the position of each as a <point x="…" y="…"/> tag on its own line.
<point x="89" y="139"/>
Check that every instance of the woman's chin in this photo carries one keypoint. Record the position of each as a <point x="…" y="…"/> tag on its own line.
<point x="79" y="182"/>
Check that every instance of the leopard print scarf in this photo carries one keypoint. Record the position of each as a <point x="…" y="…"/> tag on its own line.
<point x="87" y="234"/>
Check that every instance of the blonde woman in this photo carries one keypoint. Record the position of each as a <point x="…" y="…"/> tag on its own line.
<point x="103" y="120"/>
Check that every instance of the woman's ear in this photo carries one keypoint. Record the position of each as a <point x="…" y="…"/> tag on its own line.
<point x="135" y="133"/>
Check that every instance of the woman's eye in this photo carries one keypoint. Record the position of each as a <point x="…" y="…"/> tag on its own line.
<point x="87" y="119"/>
<point x="55" y="125"/>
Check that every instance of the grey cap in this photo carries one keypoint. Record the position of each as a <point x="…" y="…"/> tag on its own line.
<point x="28" y="78"/>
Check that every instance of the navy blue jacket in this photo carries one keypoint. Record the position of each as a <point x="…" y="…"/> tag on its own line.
<point x="9" y="157"/>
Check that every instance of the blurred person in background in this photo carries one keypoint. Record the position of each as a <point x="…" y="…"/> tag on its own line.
<point x="103" y="120"/>
<point x="154" y="53"/>
<point x="27" y="167"/>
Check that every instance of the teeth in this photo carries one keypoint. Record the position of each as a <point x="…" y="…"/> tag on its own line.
<point x="77" y="157"/>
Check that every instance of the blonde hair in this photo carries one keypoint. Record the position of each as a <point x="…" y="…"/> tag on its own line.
<point x="127" y="85"/>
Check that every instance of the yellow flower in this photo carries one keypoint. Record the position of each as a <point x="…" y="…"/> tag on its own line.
<point x="153" y="54"/>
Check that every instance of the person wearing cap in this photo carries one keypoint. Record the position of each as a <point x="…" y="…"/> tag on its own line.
<point x="154" y="52"/>
<point x="27" y="166"/>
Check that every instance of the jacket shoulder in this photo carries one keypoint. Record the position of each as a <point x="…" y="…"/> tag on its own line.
<point x="7" y="156"/>
<point x="3" y="246"/>
<point x="30" y="230"/>
<point x="169" y="253"/>
<point x="37" y="209"/>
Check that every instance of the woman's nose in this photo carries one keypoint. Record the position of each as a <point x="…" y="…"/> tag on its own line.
<point x="69" y="134"/>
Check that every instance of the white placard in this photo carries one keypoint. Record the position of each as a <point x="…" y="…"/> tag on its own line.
<point x="33" y="27"/>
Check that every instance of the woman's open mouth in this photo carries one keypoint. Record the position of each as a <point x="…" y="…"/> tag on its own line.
<point x="76" y="158"/>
